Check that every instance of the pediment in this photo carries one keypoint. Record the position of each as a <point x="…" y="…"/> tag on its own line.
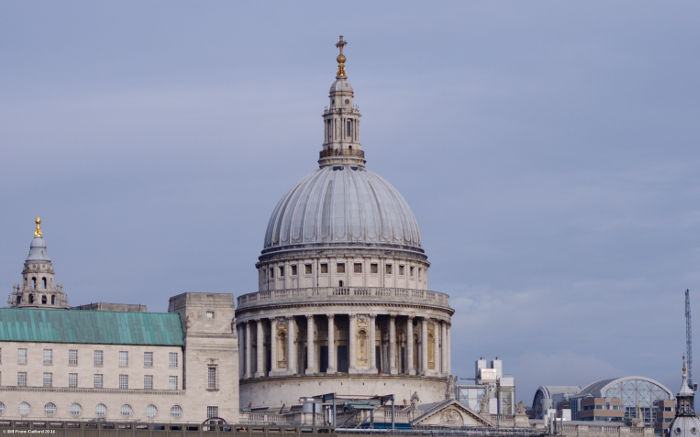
<point x="451" y="414"/>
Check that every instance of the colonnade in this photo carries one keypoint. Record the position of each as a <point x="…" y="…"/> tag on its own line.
<point x="357" y="343"/>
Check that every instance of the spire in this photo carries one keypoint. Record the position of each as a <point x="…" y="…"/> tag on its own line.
<point x="38" y="289"/>
<point x="341" y="120"/>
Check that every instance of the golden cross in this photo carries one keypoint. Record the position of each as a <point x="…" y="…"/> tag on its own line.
<point x="341" y="58"/>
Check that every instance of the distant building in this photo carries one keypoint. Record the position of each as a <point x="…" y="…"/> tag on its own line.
<point x="549" y="397"/>
<point x="632" y="400"/>
<point x="492" y="391"/>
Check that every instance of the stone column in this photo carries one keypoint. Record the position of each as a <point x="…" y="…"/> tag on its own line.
<point x="291" y="346"/>
<point x="409" y="346"/>
<point x="372" y="343"/>
<point x="311" y="366"/>
<point x="332" y="366"/>
<point x="273" y="347"/>
<point x="443" y="348"/>
<point x="392" y="345"/>
<point x="351" y="344"/>
<point x="260" y="370"/>
<point x="248" y="351"/>
<point x="424" y="346"/>
<point x="241" y="348"/>
<point x="449" y="351"/>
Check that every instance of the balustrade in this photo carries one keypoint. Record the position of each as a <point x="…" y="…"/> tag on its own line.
<point x="334" y="294"/>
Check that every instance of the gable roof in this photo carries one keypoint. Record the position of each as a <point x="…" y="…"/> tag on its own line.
<point x="437" y="408"/>
<point x="93" y="327"/>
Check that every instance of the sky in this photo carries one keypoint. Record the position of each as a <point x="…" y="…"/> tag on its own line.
<point x="550" y="152"/>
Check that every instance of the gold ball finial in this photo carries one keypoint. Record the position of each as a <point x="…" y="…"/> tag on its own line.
<point x="37" y="231"/>
<point x="341" y="58"/>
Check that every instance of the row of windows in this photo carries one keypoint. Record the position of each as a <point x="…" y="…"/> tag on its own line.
<point x="340" y="268"/>
<point x="97" y="381"/>
<point x="76" y="410"/>
<point x="97" y="358"/>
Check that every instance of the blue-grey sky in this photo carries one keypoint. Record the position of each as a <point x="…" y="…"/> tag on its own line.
<point x="550" y="152"/>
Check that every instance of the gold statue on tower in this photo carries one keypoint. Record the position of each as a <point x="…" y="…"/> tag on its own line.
<point x="37" y="231"/>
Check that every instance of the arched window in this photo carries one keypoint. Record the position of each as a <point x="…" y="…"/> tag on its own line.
<point x="101" y="410"/>
<point x="33" y="281"/>
<point x="43" y="299"/>
<point x="24" y="409"/>
<point x="53" y="299"/>
<point x="151" y="411"/>
<point x="19" y="300"/>
<point x="2" y="408"/>
<point x="50" y="409"/>
<point x="340" y="283"/>
<point x="126" y="410"/>
<point x="43" y="282"/>
<point x="75" y="409"/>
<point x="176" y="411"/>
<point x="31" y="298"/>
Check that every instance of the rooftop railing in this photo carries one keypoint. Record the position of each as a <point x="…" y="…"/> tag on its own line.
<point x="344" y="294"/>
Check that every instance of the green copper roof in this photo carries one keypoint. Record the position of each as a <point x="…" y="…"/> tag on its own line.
<point x="95" y="327"/>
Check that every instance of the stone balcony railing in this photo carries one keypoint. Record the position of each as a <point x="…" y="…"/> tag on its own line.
<point x="344" y="295"/>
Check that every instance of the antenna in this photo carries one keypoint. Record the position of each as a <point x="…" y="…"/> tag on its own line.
<point x="689" y="338"/>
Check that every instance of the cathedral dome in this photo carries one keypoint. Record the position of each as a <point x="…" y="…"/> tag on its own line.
<point x="337" y="205"/>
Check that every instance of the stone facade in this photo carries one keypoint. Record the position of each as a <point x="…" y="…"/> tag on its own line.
<point x="126" y="382"/>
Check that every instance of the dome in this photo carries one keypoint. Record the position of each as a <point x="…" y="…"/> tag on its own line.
<point x="37" y="250"/>
<point x="340" y="205"/>
<point x="341" y="85"/>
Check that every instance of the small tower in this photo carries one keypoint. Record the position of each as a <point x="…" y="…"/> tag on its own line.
<point x="38" y="289"/>
<point x="686" y="423"/>
<point x="341" y="121"/>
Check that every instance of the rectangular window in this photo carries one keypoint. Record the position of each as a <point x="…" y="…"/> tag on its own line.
<point x="148" y="382"/>
<point x="374" y="268"/>
<point x="348" y="128"/>
<point x="98" y="358"/>
<point x="324" y="268"/>
<point x="212" y="411"/>
<point x="22" y="355"/>
<point x="411" y="270"/>
<point x="72" y="380"/>
<point x="21" y="379"/>
<point x="172" y="359"/>
<point x="211" y="378"/>
<point x="73" y="357"/>
<point x="48" y="379"/>
<point x="172" y="382"/>
<point x="97" y="380"/>
<point x="148" y="359"/>
<point x="400" y="270"/>
<point x="124" y="382"/>
<point x="281" y="270"/>
<point x="388" y="269"/>
<point x="357" y="267"/>
<point x="307" y="269"/>
<point x="48" y="357"/>
<point x="123" y="359"/>
<point x="294" y="270"/>
<point x="340" y="268"/>
<point x="272" y="273"/>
